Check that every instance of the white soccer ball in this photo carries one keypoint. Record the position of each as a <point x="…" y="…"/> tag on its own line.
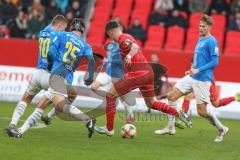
<point x="128" y="131"/>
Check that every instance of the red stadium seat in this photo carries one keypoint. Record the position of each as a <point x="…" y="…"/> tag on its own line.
<point x="191" y="40"/>
<point x="155" y="38"/>
<point x="219" y="35"/>
<point x="141" y="11"/>
<point x="219" y="21"/>
<point x="122" y="10"/>
<point x="232" y="45"/>
<point x="143" y="5"/>
<point x="194" y="19"/>
<point x="142" y="16"/>
<point x="175" y="39"/>
<point x="104" y="4"/>
<point x="96" y="34"/>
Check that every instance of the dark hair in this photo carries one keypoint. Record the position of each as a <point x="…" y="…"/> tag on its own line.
<point x="207" y="19"/>
<point x="59" y="19"/>
<point x="78" y="25"/>
<point x="111" y="25"/>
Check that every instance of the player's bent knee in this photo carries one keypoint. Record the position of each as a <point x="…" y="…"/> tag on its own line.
<point x="202" y="112"/>
<point x="171" y="97"/>
<point x="215" y="104"/>
<point x="61" y="105"/>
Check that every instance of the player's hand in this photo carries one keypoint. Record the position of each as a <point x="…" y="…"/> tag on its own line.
<point x="88" y="81"/>
<point x="194" y="71"/>
<point x="127" y="60"/>
<point x="187" y="72"/>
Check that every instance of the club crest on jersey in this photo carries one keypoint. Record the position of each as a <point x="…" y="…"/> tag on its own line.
<point x="126" y="45"/>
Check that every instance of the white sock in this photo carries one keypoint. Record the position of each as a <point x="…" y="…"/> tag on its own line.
<point x="18" y="112"/>
<point x="32" y="119"/>
<point x="214" y="120"/>
<point x="128" y="108"/>
<point x="171" y="118"/>
<point x="101" y="91"/>
<point x="75" y="113"/>
<point x="52" y="113"/>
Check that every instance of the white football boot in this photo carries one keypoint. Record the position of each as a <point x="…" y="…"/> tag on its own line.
<point x="170" y="129"/>
<point x="221" y="134"/>
<point x="104" y="130"/>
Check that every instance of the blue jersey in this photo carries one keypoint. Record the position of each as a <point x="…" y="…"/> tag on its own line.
<point x="205" y="59"/>
<point x="70" y="49"/>
<point x="114" y="65"/>
<point x="44" y="58"/>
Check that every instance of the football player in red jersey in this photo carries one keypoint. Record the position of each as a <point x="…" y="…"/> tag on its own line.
<point x="138" y="74"/>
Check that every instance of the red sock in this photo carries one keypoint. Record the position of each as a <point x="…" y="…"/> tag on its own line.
<point x="163" y="107"/>
<point x="226" y="101"/>
<point x="185" y="105"/>
<point x="110" y="111"/>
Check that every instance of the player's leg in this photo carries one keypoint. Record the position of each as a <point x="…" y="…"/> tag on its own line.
<point x="33" y="88"/>
<point x="72" y="94"/>
<point x="216" y="101"/>
<point x="100" y="85"/>
<point x="185" y="107"/>
<point x="202" y="94"/>
<point x="35" y="116"/>
<point x="182" y="87"/>
<point x="59" y="92"/>
<point x="128" y="106"/>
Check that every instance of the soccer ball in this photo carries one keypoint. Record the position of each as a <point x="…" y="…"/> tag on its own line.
<point x="128" y="131"/>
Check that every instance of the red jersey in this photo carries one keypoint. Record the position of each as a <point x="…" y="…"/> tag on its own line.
<point x="139" y="62"/>
<point x="125" y="41"/>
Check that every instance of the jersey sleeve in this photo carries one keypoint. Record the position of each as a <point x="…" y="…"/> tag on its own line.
<point x="91" y="63"/>
<point x="125" y="42"/>
<point x="56" y="42"/>
<point x="213" y="48"/>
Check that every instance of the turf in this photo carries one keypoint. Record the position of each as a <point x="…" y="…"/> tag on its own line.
<point x="64" y="140"/>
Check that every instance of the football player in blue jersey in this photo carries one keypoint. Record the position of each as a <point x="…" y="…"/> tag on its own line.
<point x="40" y="79"/>
<point x="198" y="79"/>
<point x="70" y="49"/>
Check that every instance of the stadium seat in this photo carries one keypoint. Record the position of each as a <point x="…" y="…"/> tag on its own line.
<point x="122" y="10"/>
<point x="191" y="39"/>
<point x="104" y="4"/>
<point x="141" y="11"/>
<point x="219" y="22"/>
<point x="100" y="18"/>
<point x="155" y="38"/>
<point x="175" y="39"/>
<point x="142" y="16"/>
<point x="219" y="35"/>
<point x="232" y="45"/>
<point x="194" y="19"/>
<point x="96" y="35"/>
<point x="143" y="5"/>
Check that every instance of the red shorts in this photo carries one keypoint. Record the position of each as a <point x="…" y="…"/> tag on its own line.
<point x="142" y="79"/>
<point x="213" y="93"/>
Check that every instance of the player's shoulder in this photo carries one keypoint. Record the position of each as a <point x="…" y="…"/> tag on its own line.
<point x="125" y="41"/>
<point x="212" y="40"/>
<point x="126" y="36"/>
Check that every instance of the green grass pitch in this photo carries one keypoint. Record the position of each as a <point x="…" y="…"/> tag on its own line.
<point x="64" y="140"/>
